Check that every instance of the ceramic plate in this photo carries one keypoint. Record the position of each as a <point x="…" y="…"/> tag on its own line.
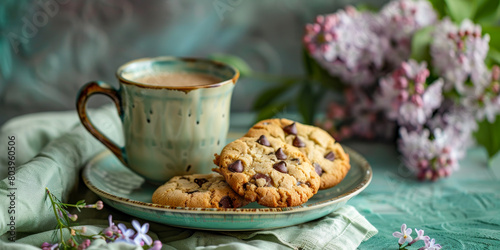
<point x="124" y="190"/>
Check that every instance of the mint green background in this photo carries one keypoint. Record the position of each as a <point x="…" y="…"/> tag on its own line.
<point x="88" y="40"/>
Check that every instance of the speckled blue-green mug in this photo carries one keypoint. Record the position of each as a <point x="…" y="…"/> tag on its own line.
<point x="168" y="130"/>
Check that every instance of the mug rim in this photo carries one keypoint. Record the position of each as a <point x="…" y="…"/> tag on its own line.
<point x="124" y="80"/>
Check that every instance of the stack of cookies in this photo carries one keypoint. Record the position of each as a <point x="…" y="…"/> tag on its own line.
<point x="278" y="163"/>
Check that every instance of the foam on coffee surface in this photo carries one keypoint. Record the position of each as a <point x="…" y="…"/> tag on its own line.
<point x="179" y="79"/>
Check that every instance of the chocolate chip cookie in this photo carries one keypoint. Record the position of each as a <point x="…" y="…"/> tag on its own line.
<point x="328" y="157"/>
<point x="198" y="190"/>
<point x="267" y="170"/>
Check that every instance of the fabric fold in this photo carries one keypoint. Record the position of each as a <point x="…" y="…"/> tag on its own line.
<point x="56" y="167"/>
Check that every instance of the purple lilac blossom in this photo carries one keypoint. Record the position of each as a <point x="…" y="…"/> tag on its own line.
<point x="366" y="119"/>
<point x="458" y="55"/>
<point x="420" y="236"/>
<point x="48" y="246"/>
<point x="112" y="230"/>
<point x="404" y="96"/>
<point x="157" y="245"/>
<point x="141" y="237"/>
<point x="404" y="235"/>
<point x="485" y="102"/>
<point x="459" y="122"/>
<point x="353" y="57"/>
<point x="396" y="24"/>
<point x="126" y="234"/>
<point x="430" y="245"/>
<point x="430" y="158"/>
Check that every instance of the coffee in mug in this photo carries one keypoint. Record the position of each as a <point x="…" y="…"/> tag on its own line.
<point x="174" y="112"/>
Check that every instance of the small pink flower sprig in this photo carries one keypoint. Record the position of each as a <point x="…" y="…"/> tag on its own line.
<point x="78" y="240"/>
<point x="405" y="237"/>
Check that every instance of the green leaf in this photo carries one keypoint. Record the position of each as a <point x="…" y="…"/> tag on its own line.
<point x="493" y="57"/>
<point x="308" y="101"/>
<point x="271" y="94"/>
<point x="271" y="110"/>
<point x="459" y="10"/>
<point x="305" y="101"/>
<point x="367" y="7"/>
<point x="488" y="136"/>
<point x="317" y="73"/>
<point x="486" y="11"/>
<point x="420" y="44"/>
<point x="307" y="61"/>
<point x="234" y="61"/>
<point x="440" y="7"/>
<point x="494" y="33"/>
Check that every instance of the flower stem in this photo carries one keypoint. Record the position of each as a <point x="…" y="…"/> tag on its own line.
<point x="59" y="224"/>
<point x="403" y="247"/>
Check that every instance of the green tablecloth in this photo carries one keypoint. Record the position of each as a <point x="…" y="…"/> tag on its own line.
<point x="461" y="212"/>
<point x="50" y="150"/>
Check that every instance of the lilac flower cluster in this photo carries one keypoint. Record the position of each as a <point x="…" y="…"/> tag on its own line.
<point x="121" y="233"/>
<point x="458" y="55"/>
<point x="405" y="237"/>
<point x="397" y="22"/>
<point x="380" y="41"/>
<point x="404" y="95"/>
<point x="485" y="100"/>
<point x="433" y="116"/>
<point x="352" y="56"/>
<point x="78" y="239"/>
<point x="113" y="233"/>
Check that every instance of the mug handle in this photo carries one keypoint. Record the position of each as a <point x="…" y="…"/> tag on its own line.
<point x="98" y="87"/>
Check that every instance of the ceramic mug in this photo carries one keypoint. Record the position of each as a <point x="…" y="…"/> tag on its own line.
<point x="168" y="131"/>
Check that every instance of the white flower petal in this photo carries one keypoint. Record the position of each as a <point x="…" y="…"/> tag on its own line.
<point x="401" y="240"/>
<point x="397" y="234"/>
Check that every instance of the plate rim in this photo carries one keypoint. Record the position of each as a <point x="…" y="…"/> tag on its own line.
<point x="367" y="178"/>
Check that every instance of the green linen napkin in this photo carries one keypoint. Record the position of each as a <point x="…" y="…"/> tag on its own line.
<point x="51" y="149"/>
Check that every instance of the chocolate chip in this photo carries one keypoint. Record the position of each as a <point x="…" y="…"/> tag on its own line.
<point x="236" y="166"/>
<point x="291" y="129"/>
<point x="298" y="143"/>
<point x="330" y="156"/>
<point x="263" y="176"/>
<point x="263" y="141"/>
<point x="318" y="169"/>
<point x="280" y="154"/>
<point x="300" y="183"/>
<point x="226" y="202"/>
<point x="200" y="181"/>
<point x="297" y="160"/>
<point x="281" y="166"/>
